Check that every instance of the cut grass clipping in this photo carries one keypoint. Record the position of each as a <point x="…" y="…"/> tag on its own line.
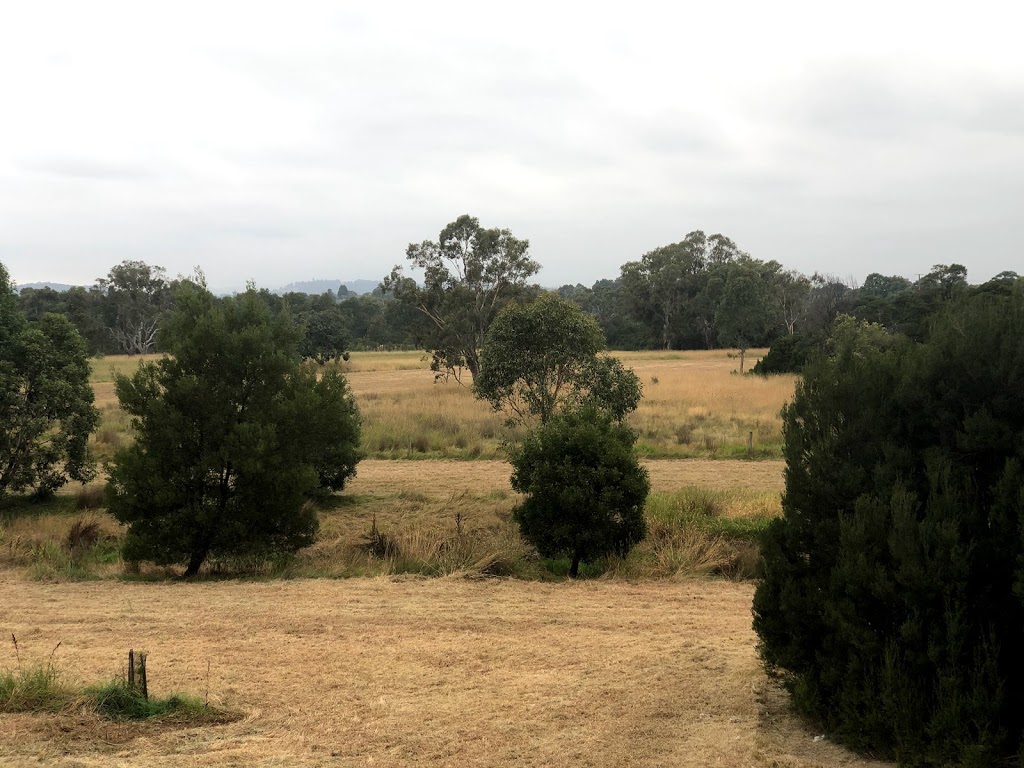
<point x="43" y="688"/>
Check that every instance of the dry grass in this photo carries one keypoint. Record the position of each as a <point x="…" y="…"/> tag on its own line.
<point x="437" y="672"/>
<point x="56" y="546"/>
<point x="438" y="518"/>
<point x="442" y="478"/>
<point x="694" y="405"/>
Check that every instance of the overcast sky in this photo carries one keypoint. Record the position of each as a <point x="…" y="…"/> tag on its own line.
<point x="287" y="141"/>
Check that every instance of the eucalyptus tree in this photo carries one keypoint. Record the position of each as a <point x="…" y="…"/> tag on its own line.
<point x="469" y="274"/>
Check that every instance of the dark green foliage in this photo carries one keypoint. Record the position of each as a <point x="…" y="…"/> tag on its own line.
<point x="543" y="356"/>
<point x="46" y="401"/>
<point x="892" y="595"/>
<point x="789" y="354"/>
<point x="881" y="286"/>
<point x="743" y="314"/>
<point x="232" y="437"/>
<point x="672" y="287"/>
<point x="326" y="337"/>
<point x="585" y="490"/>
<point x="136" y="298"/>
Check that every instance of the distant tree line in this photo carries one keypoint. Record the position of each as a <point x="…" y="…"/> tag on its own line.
<point x="702" y="292"/>
<point x="901" y="306"/>
<point x="123" y="311"/>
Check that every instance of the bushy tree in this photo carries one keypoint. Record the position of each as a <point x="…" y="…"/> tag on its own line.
<point x="540" y="357"/>
<point x="470" y="274"/>
<point x="584" y="488"/>
<point x="326" y="336"/>
<point x="45" y="398"/>
<point x="233" y="436"/>
<point x="892" y="601"/>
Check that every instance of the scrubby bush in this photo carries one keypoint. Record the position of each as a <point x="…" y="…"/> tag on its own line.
<point x="891" y="603"/>
<point x="584" y="488"/>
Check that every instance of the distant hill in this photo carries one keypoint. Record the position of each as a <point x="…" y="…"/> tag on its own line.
<point x="59" y="287"/>
<point x="318" y="287"/>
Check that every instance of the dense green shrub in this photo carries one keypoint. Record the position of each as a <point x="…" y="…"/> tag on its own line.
<point x="233" y="436"/>
<point x="789" y="354"/>
<point x="891" y="600"/>
<point x="585" y="490"/>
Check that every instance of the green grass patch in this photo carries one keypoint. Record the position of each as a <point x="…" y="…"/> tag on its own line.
<point x="734" y="512"/>
<point x="117" y="700"/>
<point x="42" y="688"/>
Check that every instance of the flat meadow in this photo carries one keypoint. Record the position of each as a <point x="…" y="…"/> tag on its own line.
<point x="419" y="629"/>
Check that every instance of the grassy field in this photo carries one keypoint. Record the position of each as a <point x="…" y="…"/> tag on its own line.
<point x="395" y="672"/>
<point x="694" y="405"/>
<point x="648" y="660"/>
<point x="450" y="512"/>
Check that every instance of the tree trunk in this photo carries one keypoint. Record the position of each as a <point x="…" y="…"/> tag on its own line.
<point x="743" y="354"/>
<point x="473" y="363"/>
<point x="574" y="569"/>
<point x="195" y="562"/>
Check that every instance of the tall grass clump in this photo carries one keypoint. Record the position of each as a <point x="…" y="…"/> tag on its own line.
<point x="34" y="687"/>
<point x="700" y="531"/>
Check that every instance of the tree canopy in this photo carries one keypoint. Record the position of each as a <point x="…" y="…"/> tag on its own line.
<point x="45" y="398"/>
<point x="584" y="488"/>
<point x="744" y="312"/>
<point x="543" y="356"/>
<point x="138" y="296"/>
<point x="326" y="336"/>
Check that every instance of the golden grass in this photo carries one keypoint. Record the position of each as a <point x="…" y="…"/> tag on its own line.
<point x="395" y="672"/>
<point x="442" y="517"/>
<point x="444" y="477"/>
<point x="694" y="405"/>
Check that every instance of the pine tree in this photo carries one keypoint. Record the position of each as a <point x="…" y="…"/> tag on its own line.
<point x="891" y="603"/>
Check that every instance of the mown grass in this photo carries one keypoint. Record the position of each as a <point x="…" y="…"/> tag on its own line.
<point x="695" y="405"/>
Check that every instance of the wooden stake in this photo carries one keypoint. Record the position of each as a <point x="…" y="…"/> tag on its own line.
<point x="142" y="675"/>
